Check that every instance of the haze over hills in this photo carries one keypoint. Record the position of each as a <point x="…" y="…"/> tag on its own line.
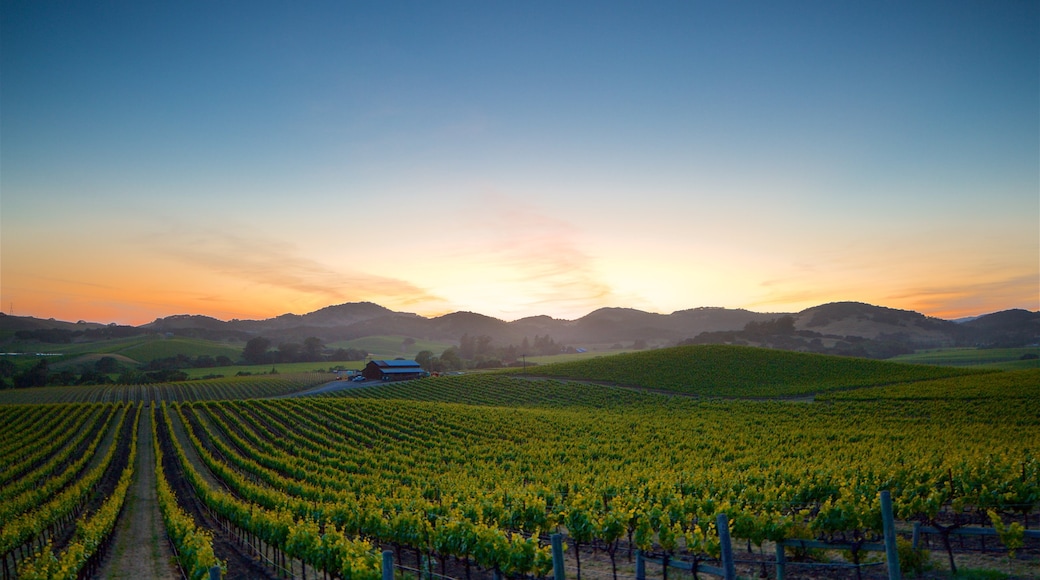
<point x="843" y="327"/>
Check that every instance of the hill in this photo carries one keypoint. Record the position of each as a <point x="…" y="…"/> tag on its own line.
<point x="740" y="371"/>
<point x="846" y="328"/>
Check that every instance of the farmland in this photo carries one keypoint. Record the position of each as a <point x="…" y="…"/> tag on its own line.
<point x="996" y="358"/>
<point x="470" y="474"/>
<point x="735" y="371"/>
<point x="220" y="388"/>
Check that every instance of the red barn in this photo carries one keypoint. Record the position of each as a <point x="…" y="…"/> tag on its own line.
<point x="393" y="370"/>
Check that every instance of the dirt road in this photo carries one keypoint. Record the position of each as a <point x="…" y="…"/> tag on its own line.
<point x="139" y="548"/>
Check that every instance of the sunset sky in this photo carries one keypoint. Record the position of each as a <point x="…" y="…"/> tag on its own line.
<point x="250" y="159"/>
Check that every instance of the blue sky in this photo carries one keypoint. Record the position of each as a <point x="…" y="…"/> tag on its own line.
<point x="251" y="159"/>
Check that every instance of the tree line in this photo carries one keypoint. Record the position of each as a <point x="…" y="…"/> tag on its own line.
<point x="108" y="370"/>
<point x="258" y="351"/>
<point x="479" y="352"/>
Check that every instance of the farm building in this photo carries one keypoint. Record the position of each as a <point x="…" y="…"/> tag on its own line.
<point x="393" y="370"/>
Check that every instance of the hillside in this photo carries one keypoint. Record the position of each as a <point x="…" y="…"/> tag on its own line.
<point x="740" y="371"/>
<point x="846" y="328"/>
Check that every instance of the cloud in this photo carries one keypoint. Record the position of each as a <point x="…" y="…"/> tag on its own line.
<point x="972" y="297"/>
<point x="538" y="256"/>
<point x="260" y="259"/>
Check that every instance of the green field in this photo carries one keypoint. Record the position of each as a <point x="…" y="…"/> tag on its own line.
<point x="480" y="467"/>
<point x="734" y="371"/>
<point x="388" y="347"/>
<point x="138" y="348"/>
<point x="1007" y="385"/>
<point x="303" y="367"/>
<point x="573" y="356"/>
<point x="995" y="358"/>
<point x="258" y="386"/>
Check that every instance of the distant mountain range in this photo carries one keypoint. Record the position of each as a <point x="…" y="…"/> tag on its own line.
<point x="843" y="327"/>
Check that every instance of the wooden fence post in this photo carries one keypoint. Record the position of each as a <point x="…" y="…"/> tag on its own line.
<point x="722" y="522"/>
<point x="214" y="573"/>
<point x="559" y="573"/>
<point x="640" y="566"/>
<point x="388" y="565"/>
<point x="781" y="561"/>
<point x="888" y="523"/>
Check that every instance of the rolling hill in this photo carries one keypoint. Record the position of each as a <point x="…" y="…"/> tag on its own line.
<point x="740" y="371"/>
<point x="843" y="328"/>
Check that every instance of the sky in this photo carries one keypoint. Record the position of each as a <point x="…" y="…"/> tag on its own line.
<point x="250" y="159"/>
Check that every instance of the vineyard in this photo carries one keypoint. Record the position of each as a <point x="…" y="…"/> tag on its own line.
<point x="200" y="390"/>
<point x="736" y="371"/>
<point x="468" y="476"/>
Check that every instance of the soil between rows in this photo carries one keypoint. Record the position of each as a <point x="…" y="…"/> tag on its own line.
<point x="139" y="547"/>
<point x="240" y="566"/>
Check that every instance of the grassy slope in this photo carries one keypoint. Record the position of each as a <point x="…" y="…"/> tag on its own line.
<point x="155" y="347"/>
<point x="995" y="358"/>
<point x="391" y="346"/>
<point x="302" y="367"/>
<point x="1020" y="384"/>
<point x="733" y="371"/>
<point x="223" y="388"/>
<point x="499" y="390"/>
<point x="139" y="348"/>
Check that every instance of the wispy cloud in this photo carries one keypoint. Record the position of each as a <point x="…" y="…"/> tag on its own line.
<point x="257" y="258"/>
<point x="972" y="298"/>
<point x="539" y="256"/>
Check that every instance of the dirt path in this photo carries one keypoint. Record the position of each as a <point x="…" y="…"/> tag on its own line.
<point x="139" y="548"/>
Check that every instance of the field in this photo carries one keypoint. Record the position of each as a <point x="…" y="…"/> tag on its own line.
<point x="205" y="389"/>
<point x="471" y="474"/>
<point x="391" y="346"/>
<point x="735" y="371"/>
<point x="993" y="358"/>
<point x="281" y="368"/>
<point x="139" y="348"/>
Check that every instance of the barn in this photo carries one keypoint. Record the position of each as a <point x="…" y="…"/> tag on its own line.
<point x="393" y="370"/>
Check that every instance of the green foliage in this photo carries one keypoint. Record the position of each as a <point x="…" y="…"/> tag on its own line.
<point x="1012" y="536"/>
<point x="991" y="358"/>
<point x="154" y="347"/>
<point x="208" y="389"/>
<point x="1023" y="384"/>
<point x="381" y="347"/>
<point x="734" y="371"/>
<point x="912" y="561"/>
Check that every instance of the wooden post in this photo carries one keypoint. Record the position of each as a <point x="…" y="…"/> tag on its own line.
<point x="640" y="566"/>
<point x="388" y="565"/>
<point x="559" y="573"/>
<point x="888" y="522"/>
<point x="781" y="561"/>
<point x="214" y="573"/>
<point x="722" y="522"/>
<point x="917" y="536"/>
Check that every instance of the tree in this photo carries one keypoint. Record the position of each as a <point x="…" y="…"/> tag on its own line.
<point x="313" y="348"/>
<point x="423" y="357"/>
<point x="7" y="368"/>
<point x="450" y="358"/>
<point x="255" y="351"/>
<point x="106" y="365"/>
<point x="289" y="351"/>
<point x="34" y="377"/>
